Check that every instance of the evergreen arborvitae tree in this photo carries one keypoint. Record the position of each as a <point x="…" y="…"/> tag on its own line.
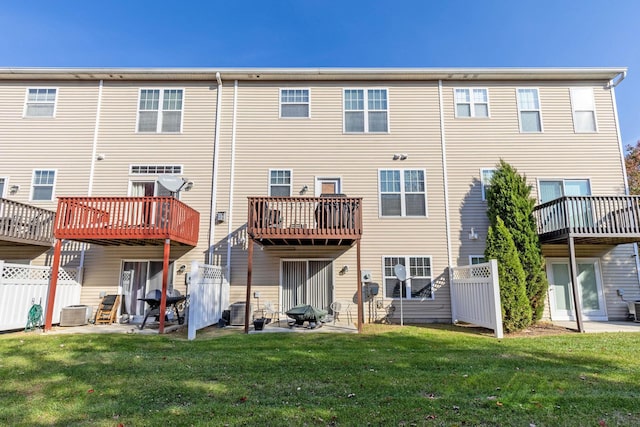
<point x="509" y="197"/>
<point x="516" y="311"/>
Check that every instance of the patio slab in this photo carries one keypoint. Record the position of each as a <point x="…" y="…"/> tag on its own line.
<point x="598" y="327"/>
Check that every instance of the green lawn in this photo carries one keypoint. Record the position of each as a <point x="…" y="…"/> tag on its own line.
<point x="387" y="376"/>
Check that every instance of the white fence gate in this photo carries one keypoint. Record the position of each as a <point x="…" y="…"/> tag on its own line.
<point x="208" y="296"/>
<point x="475" y="296"/>
<point x="22" y="285"/>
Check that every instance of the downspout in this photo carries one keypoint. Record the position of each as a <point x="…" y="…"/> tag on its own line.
<point x="92" y="170"/>
<point x="214" y="179"/>
<point x="231" y="176"/>
<point x="612" y="85"/>
<point x="445" y="172"/>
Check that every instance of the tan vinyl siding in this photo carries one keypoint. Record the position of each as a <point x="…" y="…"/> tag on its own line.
<point x="63" y="143"/>
<point x="316" y="147"/>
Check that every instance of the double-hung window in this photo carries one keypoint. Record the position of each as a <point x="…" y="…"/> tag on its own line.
<point x="41" y="102"/>
<point x="294" y="103"/>
<point x="42" y="184"/>
<point x="419" y="282"/>
<point x="584" y="110"/>
<point x="485" y="177"/>
<point x="402" y="192"/>
<point x="472" y="102"/>
<point x="280" y="183"/>
<point x="160" y="110"/>
<point x="529" y="110"/>
<point x="365" y="111"/>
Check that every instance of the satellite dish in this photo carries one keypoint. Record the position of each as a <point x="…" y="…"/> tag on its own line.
<point x="400" y="272"/>
<point x="171" y="182"/>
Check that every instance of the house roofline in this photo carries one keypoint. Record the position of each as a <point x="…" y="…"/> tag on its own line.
<point x="307" y="74"/>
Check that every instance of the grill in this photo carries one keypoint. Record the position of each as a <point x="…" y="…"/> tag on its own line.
<point x="173" y="302"/>
<point x="306" y="313"/>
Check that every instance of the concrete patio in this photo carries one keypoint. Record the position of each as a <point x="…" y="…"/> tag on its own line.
<point x="598" y="327"/>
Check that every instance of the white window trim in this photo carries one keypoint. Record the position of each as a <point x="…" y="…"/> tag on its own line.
<point x="408" y="268"/>
<point x="132" y="165"/>
<point x="160" y="102"/>
<point x="563" y="183"/>
<point x="471" y="103"/>
<point x="53" y="186"/>
<point x="290" y="181"/>
<point x="294" y="103"/>
<point x="26" y="101"/>
<point x="539" y="110"/>
<point x="573" y="110"/>
<point x="482" y="183"/>
<point x="366" y="110"/>
<point x="5" y="189"/>
<point x="402" y="194"/>
<point x="474" y="256"/>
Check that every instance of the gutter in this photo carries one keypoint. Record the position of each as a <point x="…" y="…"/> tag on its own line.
<point x="613" y="82"/>
<point x="214" y="179"/>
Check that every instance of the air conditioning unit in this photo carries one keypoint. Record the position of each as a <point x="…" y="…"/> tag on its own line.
<point x="74" y="315"/>
<point x="237" y="313"/>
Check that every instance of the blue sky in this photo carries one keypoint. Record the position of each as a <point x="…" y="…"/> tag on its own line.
<point x="330" y="33"/>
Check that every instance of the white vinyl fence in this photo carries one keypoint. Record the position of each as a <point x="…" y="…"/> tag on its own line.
<point x="22" y="285"/>
<point x="475" y="296"/>
<point x="208" y="296"/>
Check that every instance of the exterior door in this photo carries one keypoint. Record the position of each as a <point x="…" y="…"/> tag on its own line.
<point x="327" y="186"/>
<point x="589" y="287"/>
<point x="138" y="278"/>
<point x="306" y="282"/>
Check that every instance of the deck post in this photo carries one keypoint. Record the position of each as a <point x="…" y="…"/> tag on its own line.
<point x="248" y="297"/>
<point x="574" y="284"/>
<point x="360" y="307"/>
<point x="53" y="283"/>
<point x="165" y="282"/>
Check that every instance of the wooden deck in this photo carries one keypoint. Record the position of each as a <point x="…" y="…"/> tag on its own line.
<point x="126" y="220"/>
<point x="305" y="220"/>
<point x="609" y="220"/>
<point x="22" y="224"/>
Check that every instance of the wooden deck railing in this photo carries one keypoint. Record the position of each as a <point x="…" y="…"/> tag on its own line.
<point x="104" y="219"/>
<point x="305" y="218"/>
<point x="24" y="223"/>
<point x="589" y="215"/>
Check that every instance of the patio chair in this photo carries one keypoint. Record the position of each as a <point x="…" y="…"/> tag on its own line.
<point x="271" y="312"/>
<point x="335" y="308"/>
<point x="108" y="309"/>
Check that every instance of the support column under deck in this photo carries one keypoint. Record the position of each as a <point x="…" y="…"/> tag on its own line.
<point x="165" y="281"/>
<point x="53" y="283"/>
<point x="573" y="267"/>
<point x="247" y="306"/>
<point x="360" y="306"/>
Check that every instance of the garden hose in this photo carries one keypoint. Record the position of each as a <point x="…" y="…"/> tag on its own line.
<point x="34" y="318"/>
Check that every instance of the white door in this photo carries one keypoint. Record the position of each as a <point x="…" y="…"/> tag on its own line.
<point x="589" y="287"/>
<point x="328" y="186"/>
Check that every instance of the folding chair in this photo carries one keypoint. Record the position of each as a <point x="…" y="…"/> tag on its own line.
<point x="108" y="309"/>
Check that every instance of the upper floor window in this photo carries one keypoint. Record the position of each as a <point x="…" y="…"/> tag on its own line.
<point x="529" y="110"/>
<point x="155" y="169"/>
<point x="3" y="184"/>
<point x="403" y="192"/>
<point x="418" y="284"/>
<point x="41" y="102"/>
<point x="551" y="189"/>
<point x="584" y="109"/>
<point x="294" y="103"/>
<point x="485" y="178"/>
<point x="160" y="110"/>
<point x="472" y="103"/>
<point x="42" y="184"/>
<point x="365" y="110"/>
<point x="280" y="183"/>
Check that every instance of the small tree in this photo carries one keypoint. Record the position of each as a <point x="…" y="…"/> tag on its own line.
<point x="516" y="311"/>
<point x="509" y="197"/>
<point x="632" y="163"/>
